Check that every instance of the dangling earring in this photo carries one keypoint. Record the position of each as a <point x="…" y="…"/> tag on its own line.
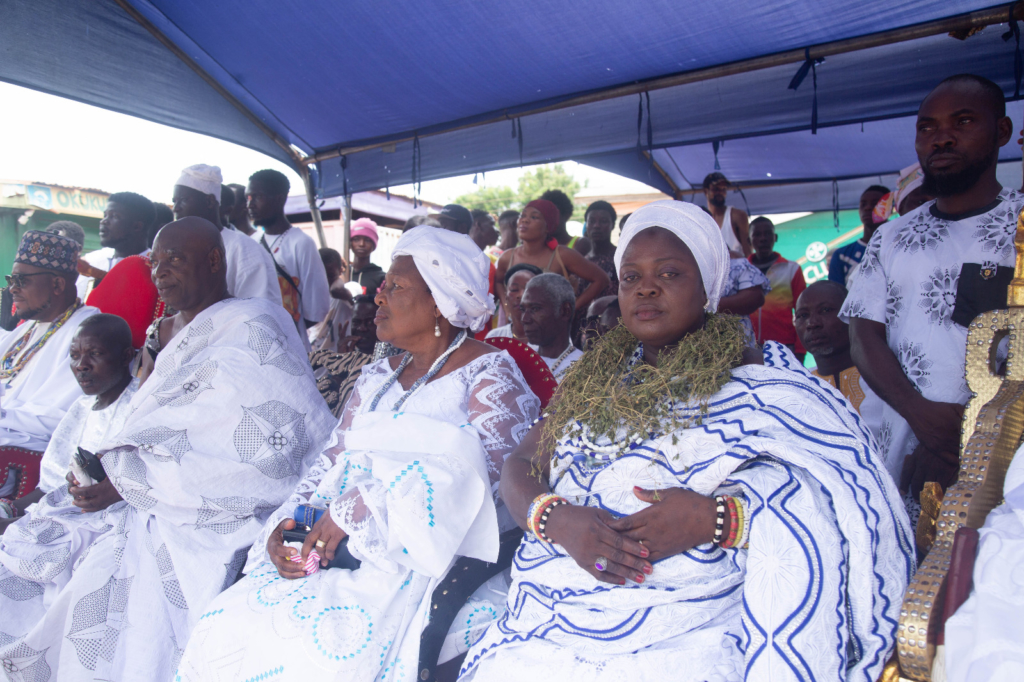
<point x="437" y="328"/>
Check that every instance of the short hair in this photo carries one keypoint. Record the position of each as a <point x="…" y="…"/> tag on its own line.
<point x="762" y="219"/>
<point x="328" y="254"/>
<point x="69" y="229"/>
<point x="876" y="188"/>
<point x="623" y="219"/>
<point x="520" y="267"/>
<point x="510" y="214"/>
<point x="162" y="215"/>
<point x="111" y="328"/>
<point x="601" y="205"/>
<point x="561" y="201"/>
<point x="276" y="182"/>
<point x="556" y="286"/>
<point x="364" y="298"/>
<point x="417" y="220"/>
<point x="713" y="177"/>
<point x="138" y="206"/>
<point x="828" y="284"/>
<point x="227" y="196"/>
<point x="993" y="92"/>
<point x="477" y="214"/>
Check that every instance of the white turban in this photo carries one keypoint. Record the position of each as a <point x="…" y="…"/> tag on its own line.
<point x="696" y="229"/>
<point x="202" y="178"/>
<point x="455" y="269"/>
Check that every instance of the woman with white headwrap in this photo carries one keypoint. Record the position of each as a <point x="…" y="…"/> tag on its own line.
<point x="695" y="511"/>
<point x="408" y="482"/>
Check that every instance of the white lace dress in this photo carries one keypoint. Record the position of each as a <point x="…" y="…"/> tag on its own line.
<point x="414" y="490"/>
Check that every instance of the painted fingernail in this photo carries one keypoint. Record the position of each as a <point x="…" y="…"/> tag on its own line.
<point x="648" y="569"/>
<point x="644" y="553"/>
<point x="639" y="578"/>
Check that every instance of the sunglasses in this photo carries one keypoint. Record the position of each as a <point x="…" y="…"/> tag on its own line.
<point x="21" y="280"/>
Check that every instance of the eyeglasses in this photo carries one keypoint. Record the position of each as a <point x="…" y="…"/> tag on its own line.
<point x="21" y="280"/>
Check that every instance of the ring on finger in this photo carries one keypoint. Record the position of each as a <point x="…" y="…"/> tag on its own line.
<point x="601" y="563"/>
<point x="320" y="544"/>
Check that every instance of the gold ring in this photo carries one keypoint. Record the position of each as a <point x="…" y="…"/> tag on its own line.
<point x="320" y="544"/>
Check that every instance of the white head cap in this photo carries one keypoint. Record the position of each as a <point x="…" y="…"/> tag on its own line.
<point x="202" y="178"/>
<point x="696" y="229"/>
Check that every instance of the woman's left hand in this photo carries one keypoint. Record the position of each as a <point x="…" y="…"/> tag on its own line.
<point x="677" y="521"/>
<point x="324" y="530"/>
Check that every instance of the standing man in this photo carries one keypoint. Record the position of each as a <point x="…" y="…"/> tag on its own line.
<point x="36" y="383"/>
<point x="250" y="272"/>
<point x="773" y="321"/>
<point x="549" y="305"/>
<point x="507" y="224"/>
<point x="483" y="233"/>
<point x="929" y="273"/>
<point x="733" y="221"/>
<point x="455" y="218"/>
<point x="124" y="231"/>
<point x="240" y="211"/>
<point x="847" y="258"/>
<point x="300" y="272"/>
<point x="363" y="242"/>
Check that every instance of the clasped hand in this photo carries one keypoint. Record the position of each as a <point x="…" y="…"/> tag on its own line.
<point x="324" y="529"/>
<point x="92" y="498"/>
<point x="677" y="520"/>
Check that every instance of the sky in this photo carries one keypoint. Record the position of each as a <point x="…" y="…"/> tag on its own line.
<point x="50" y="140"/>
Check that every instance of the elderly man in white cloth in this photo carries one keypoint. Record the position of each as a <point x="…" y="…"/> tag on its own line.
<point x="36" y="383"/>
<point x="250" y="271"/>
<point x="407" y="483"/>
<point x="217" y="438"/>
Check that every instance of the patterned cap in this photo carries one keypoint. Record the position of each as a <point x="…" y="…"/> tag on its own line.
<point x="48" y="251"/>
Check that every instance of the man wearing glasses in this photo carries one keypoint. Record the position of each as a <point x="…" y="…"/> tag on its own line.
<point x="36" y="383"/>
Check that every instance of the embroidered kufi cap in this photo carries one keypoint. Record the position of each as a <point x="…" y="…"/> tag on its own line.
<point x="49" y="251"/>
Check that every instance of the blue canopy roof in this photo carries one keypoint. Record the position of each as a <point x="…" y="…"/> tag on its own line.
<point x="427" y="90"/>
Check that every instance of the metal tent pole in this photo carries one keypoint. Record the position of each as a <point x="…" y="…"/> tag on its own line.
<point x="311" y="198"/>
<point x="346" y="235"/>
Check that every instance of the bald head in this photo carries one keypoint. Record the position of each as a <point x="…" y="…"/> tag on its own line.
<point x="817" y="322"/>
<point x="188" y="264"/>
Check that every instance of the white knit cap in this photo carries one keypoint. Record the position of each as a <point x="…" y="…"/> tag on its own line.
<point x="696" y="229"/>
<point x="202" y="178"/>
<point x="456" y="271"/>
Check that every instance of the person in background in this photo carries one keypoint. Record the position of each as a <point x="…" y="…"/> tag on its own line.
<point x="101" y="354"/>
<point x="124" y="231"/>
<point x="537" y="225"/>
<point x="928" y="274"/>
<point x="37" y="385"/>
<point x="602" y="317"/>
<point x="516" y="279"/>
<point x="744" y="292"/>
<point x="827" y="339"/>
<point x="337" y="372"/>
<point x="162" y="215"/>
<point x="455" y="218"/>
<point x="773" y="321"/>
<point x="363" y="242"/>
<point x="250" y="273"/>
<point x="227" y="205"/>
<point x="548" y="307"/>
<point x="733" y="221"/>
<point x="239" y="216"/>
<point x="507" y="223"/>
<point x="565" y="208"/>
<point x="69" y="229"/>
<point x="417" y="220"/>
<point x="599" y="219"/>
<point x="300" y="272"/>
<point x="334" y="327"/>
<point x="483" y="233"/>
<point x="845" y="259"/>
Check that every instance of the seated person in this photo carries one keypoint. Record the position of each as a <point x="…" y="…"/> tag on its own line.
<point x="336" y="373"/>
<point x="101" y="353"/>
<point x="407" y="481"/>
<point x="516" y="280"/>
<point x="744" y="291"/>
<point x="328" y="333"/>
<point x="731" y="541"/>
<point x="36" y="383"/>
<point x="217" y="438"/>
<point x="827" y="339"/>
<point x="548" y="307"/>
<point x="602" y="317"/>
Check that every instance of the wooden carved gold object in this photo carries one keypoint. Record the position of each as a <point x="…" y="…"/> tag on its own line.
<point x="993" y="426"/>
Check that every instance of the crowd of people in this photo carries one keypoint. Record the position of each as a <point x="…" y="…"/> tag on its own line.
<point x="230" y="455"/>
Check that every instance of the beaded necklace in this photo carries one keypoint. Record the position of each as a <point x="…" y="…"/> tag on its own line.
<point x="557" y="364"/>
<point x="434" y="369"/>
<point x="9" y="368"/>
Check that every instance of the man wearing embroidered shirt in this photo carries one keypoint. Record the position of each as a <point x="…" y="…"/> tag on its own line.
<point x="124" y="231"/>
<point x="847" y="258"/>
<point x="36" y="383"/>
<point x="548" y="307"/>
<point x="929" y="273"/>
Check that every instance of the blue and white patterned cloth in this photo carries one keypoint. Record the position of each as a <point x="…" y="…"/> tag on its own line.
<point x="744" y="275"/>
<point x="815" y="597"/>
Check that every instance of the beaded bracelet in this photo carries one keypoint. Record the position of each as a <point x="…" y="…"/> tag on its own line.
<point x="734" y="523"/>
<point x="537" y="517"/>
<point x="542" y="522"/>
<point x="719" y="519"/>
<point x="743" y="541"/>
<point x="739" y="531"/>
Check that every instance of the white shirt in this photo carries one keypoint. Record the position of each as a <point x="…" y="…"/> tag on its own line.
<point x="908" y="281"/>
<point x="559" y="367"/>
<point x="505" y="331"/>
<point x="101" y="259"/>
<point x="250" y="270"/>
<point x="298" y="255"/>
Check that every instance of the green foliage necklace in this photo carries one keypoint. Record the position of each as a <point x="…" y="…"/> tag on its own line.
<point x="610" y="390"/>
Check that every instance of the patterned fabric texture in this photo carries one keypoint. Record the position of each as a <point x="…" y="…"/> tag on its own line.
<point x="908" y="281"/>
<point x="337" y="374"/>
<point x="48" y="250"/>
<point x="219" y="436"/>
<point x="744" y="275"/>
<point x="413" y="490"/>
<point x="815" y="597"/>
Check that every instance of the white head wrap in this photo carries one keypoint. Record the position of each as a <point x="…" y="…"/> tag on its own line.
<point x="696" y="229"/>
<point x="202" y="178"/>
<point x="455" y="269"/>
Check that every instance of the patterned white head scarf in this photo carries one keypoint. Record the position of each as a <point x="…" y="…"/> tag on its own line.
<point x="696" y="229"/>
<point x="455" y="269"/>
<point x="202" y="178"/>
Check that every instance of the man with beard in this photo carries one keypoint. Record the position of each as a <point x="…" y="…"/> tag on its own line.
<point x="925" y="276"/>
<point x="124" y="231"/>
<point x="733" y="221"/>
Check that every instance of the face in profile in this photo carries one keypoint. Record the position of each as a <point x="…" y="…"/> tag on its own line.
<point x="406" y="307"/>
